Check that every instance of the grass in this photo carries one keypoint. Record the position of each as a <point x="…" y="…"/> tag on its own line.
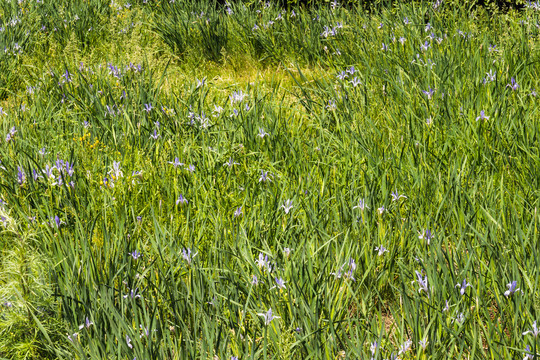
<point x="297" y="134"/>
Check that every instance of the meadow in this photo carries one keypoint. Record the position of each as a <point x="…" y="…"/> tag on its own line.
<point x="195" y="180"/>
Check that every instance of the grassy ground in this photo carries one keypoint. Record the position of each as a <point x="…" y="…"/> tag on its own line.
<point x="183" y="180"/>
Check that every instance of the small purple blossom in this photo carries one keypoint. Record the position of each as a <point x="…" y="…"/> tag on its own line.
<point x="513" y="84"/>
<point x="463" y="286"/>
<point x="512" y="288"/>
<point x="287" y="206"/>
<point x="534" y="331"/>
<point x="187" y="255"/>
<point x="181" y="200"/>
<point x="425" y="235"/>
<point x="135" y="254"/>
<point x="482" y="116"/>
<point x="176" y="162"/>
<point x="422" y="283"/>
<point x="268" y="317"/>
<point x="132" y="294"/>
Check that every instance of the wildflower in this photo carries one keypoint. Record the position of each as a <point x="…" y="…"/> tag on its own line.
<point x="200" y="83"/>
<point x="331" y="105"/>
<point x="116" y="171"/>
<point x="237" y="96"/>
<point x="342" y="75"/>
<point x="231" y="163"/>
<point x="191" y="168"/>
<point x="132" y="294"/>
<point x="429" y="93"/>
<point x="254" y="280"/>
<point x="176" y="162"/>
<point x="262" y="262"/>
<point x="73" y="337"/>
<point x="148" y="108"/>
<point x="87" y="324"/>
<point x="188" y="257"/>
<point x="534" y="331"/>
<point x="381" y="210"/>
<point x="482" y="116"/>
<point x="513" y="84"/>
<point x="43" y="151"/>
<point x="57" y="221"/>
<point x="402" y="40"/>
<point x="396" y="196"/>
<point x="287" y="252"/>
<point x="491" y="76"/>
<point x="155" y="136"/>
<point x="355" y="82"/>
<point x="280" y="284"/>
<point x="384" y="47"/>
<point x="460" y="318"/>
<point x="405" y="347"/>
<point x="446" y="307"/>
<point x="512" y="288"/>
<point x="21" y="176"/>
<point x="425" y="235"/>
<point x="268" y="316"/>
<point x="287" y="206"/>
<point x="429" y="121"/>
<point x="361" y="205"/>
<point x="11" y="134"/>
<point x="381" y="250"/>
<point x="373" y="348"/>
<point x="352" y="267"/>
<point x="463" y="286"/>
<point x="422" y="283"/>
<point x="128" y="341"/>
<point x="238" y="212"/>
<point x="135" y="254"/>
<point x="428" y="27"/>
<point x="181" y="200"/>
<point x="425" y="46"/>
<point x="264" y="176"/>
<point x="528" y="355"/>
<point x="406" y="21"/>
<point x="423" y="343"/>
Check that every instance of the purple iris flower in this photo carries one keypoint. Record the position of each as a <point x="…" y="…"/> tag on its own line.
<point x="280" y="284"/>
<point x="132" y="294"/>
<point x="238" y="212"/>
<point x="512" y="288"/>
<point x="422" y="283"/>
<point x="155" y="135"/>
<point x="181" y="200"/>
<point x="264" y="176"/>
<point x="429" y="93"/>
<point x="176" y="162"/>
<point x="463" y="286"/>
<point x="535" y="330"/>
<point x="135" y="255"/>
<point x="426" y="235"/>
<point x="21" y="176"/>
<point x="87" y="324"/>
<point x="186" y="254"/>
<point x="513" y="84"/>
<point x="268" y="316"/>
<point x="482" y="116"/>
<point x="48" y="172"/>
